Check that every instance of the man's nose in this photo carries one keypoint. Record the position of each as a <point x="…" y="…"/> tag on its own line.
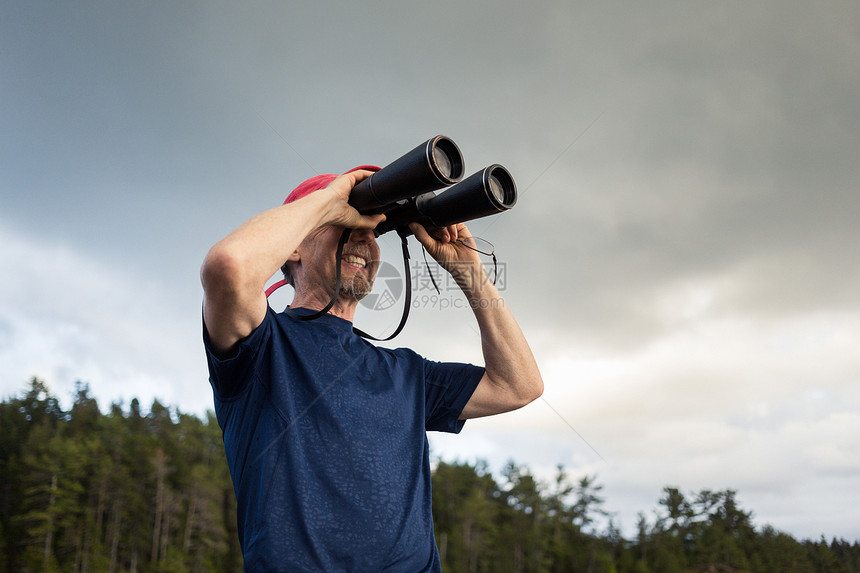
<point x="361" y="236"/>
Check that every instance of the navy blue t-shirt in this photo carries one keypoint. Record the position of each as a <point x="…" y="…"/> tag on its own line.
<point x="325" y="440"/>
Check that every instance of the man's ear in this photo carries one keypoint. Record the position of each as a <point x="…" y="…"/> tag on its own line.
<point x="295" y="257"/>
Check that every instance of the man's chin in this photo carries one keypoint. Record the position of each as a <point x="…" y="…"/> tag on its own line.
<point x="357" y="289"/>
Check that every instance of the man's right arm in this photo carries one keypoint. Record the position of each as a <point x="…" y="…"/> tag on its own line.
<point x="236" y="268"/>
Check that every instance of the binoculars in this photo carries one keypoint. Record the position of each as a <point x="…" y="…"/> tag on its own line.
<point x="405" y="189"/>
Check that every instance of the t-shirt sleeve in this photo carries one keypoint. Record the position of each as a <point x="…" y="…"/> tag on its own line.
<point x="447" y="388"/>
<point x="229" y="375"/>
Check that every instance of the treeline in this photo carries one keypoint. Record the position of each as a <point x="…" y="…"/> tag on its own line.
<point x="518" y="525"/>
<point x="125" y="491"/>
<point x="149" y="492"/>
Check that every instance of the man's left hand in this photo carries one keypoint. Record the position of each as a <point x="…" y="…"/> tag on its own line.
<point x="446" y="245"/>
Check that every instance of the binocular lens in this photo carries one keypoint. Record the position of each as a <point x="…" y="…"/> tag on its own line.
<point x="503" y="190"/>
<point x="496" y="189"/>
<point x="442" y="162"/>
<point x="447" y="159"/>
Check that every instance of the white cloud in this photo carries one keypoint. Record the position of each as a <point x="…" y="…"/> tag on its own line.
<point x="67" y="317"/>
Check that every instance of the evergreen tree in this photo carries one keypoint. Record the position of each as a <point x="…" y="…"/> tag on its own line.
<point x="521" y="522"/>
<point x="465" y="511"/>
<point x="560" y="529"/>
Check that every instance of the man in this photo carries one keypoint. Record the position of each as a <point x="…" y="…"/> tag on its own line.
<point x="324" y="432"/>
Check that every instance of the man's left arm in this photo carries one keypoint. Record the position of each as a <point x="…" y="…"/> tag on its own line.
<point x="511" y="378"/>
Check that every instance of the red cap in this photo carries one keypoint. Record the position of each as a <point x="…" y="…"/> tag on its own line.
<point x="320" y="182"/>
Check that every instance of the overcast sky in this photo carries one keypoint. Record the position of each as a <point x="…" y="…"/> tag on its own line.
<point x="683" y="256"/>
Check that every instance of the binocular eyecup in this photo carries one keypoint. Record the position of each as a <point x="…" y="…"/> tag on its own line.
<point x="404" y="189"/>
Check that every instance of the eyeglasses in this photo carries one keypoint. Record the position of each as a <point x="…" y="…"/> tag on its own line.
<point x="477" y="244"/>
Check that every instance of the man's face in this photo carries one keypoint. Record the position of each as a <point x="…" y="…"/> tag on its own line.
<point x="358" y="265"/>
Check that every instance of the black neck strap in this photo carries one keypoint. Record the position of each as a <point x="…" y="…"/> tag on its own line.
<point x="407" y="299"/>
<point x="339" y="253"/>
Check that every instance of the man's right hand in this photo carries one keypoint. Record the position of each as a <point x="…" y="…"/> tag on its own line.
<point x="341" y="213"/>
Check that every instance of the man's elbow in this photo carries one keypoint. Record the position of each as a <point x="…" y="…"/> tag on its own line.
<point x="222" y="270"/>
<point x="527" y="391"/>
<point x="534" y="390"/>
